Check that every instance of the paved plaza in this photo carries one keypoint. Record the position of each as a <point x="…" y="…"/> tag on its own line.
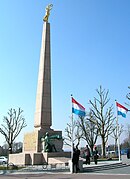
<point x="104" y="170"/>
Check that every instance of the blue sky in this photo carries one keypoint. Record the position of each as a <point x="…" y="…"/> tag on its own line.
<point x="90" y="46"/>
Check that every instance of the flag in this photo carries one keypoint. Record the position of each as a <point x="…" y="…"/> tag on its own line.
<point x="77" y="108"/>
<point x="121" y="110"/>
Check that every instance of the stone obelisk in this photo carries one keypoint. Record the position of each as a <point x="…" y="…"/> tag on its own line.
<point x="43" y="114"/>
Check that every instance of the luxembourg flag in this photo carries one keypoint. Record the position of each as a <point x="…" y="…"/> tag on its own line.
<point x="77" y="108"/>
<point x="121" y="110"/>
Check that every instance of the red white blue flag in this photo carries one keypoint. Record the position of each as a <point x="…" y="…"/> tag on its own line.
<point x="77" y="108"/>
<point x="121" y="110"/>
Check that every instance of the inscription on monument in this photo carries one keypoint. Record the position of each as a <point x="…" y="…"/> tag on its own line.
<point x="30" y="140"/>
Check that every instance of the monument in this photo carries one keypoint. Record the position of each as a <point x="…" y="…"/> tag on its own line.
<point x="43" y="142"/>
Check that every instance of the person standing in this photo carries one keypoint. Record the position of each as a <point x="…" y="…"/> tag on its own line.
<point x="74" y="160"/>
<point x="95" y="155"/>
<point x="87" y="154"/>
<point x="77" y="159"/>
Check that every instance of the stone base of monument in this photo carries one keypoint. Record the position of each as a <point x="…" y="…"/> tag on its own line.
<point x="39" y="158"/>
<point x="32" y="140"/>
<point x="33" y="149"/>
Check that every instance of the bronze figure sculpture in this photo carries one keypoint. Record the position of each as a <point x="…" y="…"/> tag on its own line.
<point x="48" y="8"/>
<point x="48" y="145"/>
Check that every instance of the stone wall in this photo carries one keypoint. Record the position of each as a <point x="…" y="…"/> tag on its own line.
<point x="27" y="158"/>
<point x="35" y="158"/>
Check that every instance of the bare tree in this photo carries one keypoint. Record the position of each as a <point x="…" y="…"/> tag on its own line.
<point x="128" y="98"/>
<point x="128" y="95"/>
<point x="89" y="130"/>
<point x="68" y="135"/>
<point x="17" y="147"/>
<point x="12" y="126"/>
<point x="104" y="117"/>
<point x="126" y="141"/>
<point x="128" y="133"/>
<point x="77" y="134"/>
<point x="116" y="133"/>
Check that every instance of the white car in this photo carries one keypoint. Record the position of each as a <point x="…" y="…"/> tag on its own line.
<point x="3" y="160"/>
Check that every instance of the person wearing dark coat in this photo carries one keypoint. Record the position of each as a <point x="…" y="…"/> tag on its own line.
<point x="87" y="154"/>
<point x="95" y="155"/>
<point x="75" y="159"/>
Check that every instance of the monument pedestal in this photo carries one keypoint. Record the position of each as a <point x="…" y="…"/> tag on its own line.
<point x="33" y="153"/>
<point x="32" y="140"/>
<point x="32" y="158"/>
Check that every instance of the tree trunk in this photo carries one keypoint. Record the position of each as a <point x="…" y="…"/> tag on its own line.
<point x="115" y="147"/>
<point x="103" y="147"/>
<point x="10" y="148"/>
<point x="91" y="147"/>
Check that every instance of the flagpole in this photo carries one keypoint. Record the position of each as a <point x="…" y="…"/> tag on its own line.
<point x="79" y="110"/>
<point x="72" y="124"/>
<point x="117" y="125"/>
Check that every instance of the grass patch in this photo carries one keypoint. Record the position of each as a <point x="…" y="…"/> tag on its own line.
<point x="10" y="168"/>
<point x="3" y="168"/>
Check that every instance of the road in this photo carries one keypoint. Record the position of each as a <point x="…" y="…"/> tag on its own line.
<point x="66" y="176"/>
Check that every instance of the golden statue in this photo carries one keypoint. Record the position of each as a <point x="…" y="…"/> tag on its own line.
<point x="48" y="8"/>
